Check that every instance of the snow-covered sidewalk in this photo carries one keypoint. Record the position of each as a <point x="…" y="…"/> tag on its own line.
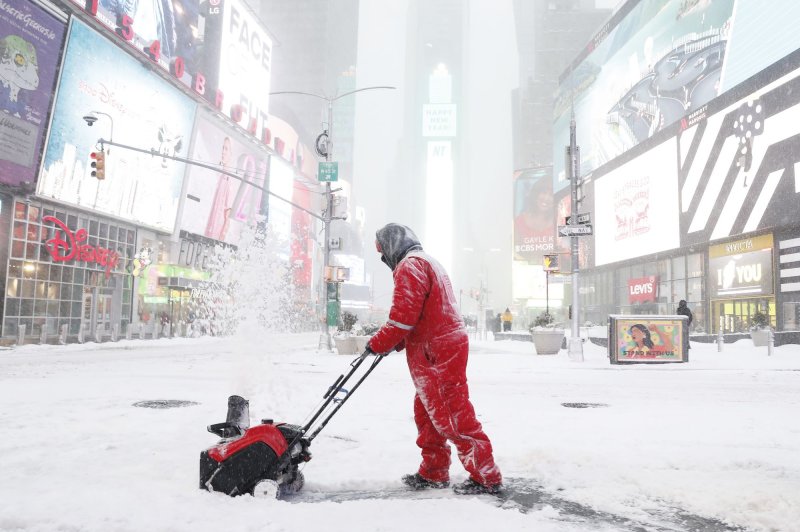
<point x="717" y="437"/>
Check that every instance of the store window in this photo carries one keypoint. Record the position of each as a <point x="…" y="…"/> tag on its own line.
<point x="43" y="293"/>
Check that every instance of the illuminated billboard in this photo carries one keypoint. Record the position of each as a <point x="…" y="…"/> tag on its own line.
<point x="134" y="107"/>
<point x="655" y="62"/>
<point x="180" y="36"/>
<point x="245" y="65"/>
<point x="218" y="205"/>
<point x="534" y="218"/>
<point x="636" y="207"/>
<point x="30" y="49"/>
<point x="739" y="164"/>
<point x="659" y="61"/>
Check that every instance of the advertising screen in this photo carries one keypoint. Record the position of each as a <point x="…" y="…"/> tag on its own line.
<point x="741" y="268"/>
<point x="244" y="66"/>
<point x="217" y="205"/>
<point x="181" y="36"/>
<point x="647" y="338"/>
<point x="134" y="108"/>
<point x="636" y="207"/>
<point x="534" y="218"/>
<point x="740" y="164"/>
<point x="657" y="61"/>
<point x="30" y="49"/>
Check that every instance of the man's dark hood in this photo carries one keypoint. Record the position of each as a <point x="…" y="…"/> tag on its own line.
<point x="395" y="242"/>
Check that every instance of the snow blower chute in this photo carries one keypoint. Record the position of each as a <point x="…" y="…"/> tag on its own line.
<point x="264" y="460"/>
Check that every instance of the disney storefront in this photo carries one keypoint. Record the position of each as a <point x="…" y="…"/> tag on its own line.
<point x="66" y="267"/>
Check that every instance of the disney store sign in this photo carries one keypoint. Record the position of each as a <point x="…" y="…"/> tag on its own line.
<point x="67" y="246"/>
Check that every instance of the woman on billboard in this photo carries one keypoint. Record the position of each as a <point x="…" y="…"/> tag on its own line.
<point x="217" y="225"/>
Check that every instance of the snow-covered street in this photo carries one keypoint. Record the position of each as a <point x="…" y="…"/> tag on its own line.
<point x="716" y="438"/>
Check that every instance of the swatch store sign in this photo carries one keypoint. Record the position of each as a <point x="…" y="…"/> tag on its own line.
<point x="742" y="268"/>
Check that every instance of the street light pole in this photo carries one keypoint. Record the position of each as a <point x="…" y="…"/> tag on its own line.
<point x="328" y="214"/>
<point x="575" y="346"/>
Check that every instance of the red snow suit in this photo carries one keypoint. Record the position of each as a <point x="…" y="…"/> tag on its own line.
<point x="424" y="313"/>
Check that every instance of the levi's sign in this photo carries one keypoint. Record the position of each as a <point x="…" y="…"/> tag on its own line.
<point x="642" y="289"/>
<point x="574" y="230"/>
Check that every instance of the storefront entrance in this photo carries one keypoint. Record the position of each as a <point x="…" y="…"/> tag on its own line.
<point x="97" y="311"/>
<point x="735" y="315"/>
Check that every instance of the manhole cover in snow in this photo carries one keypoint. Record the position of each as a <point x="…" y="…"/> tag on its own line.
<point x="584" y="405"/>
<point x="164" y="403"/>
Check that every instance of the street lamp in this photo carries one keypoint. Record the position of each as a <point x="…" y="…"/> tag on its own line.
<point x="325" y="148"/>
<point x="91" y="118"/>
<point x="483" y="294"/>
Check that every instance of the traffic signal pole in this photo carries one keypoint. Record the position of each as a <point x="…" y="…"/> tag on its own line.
<point x="216" y="168"/>
<point x="575" y="345"/>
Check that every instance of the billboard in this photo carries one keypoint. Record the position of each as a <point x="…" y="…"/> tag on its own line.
<point x="245" y="65"/>
<point x="534" y="214"/>
<point x="134" y="108"/>
<point x="30" y="49"/>
<point x="637" y="208"/>
<point x="656" y="61"/>
<point x="218" y="205"/>
<point x="180" y="36"/>
<point x="739" y="160"/>
<point x="742" y="268"/>
<point x="647" y="339"/>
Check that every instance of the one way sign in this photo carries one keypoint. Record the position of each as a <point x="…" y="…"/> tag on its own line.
<point x="574" y="230"/>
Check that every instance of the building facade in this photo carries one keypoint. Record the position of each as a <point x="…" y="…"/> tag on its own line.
<point x="687" y="126"/>
<point x="105" y="226"/>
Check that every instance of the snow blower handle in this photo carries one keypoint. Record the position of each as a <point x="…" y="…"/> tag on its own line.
<point x="336" y="388"/>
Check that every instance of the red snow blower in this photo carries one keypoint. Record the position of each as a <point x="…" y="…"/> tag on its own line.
<point x="264" y="460"/>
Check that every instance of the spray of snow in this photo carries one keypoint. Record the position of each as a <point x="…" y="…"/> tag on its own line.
<point x="252" y="299"/>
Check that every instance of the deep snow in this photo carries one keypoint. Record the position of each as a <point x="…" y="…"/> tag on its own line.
<point x="718" y="437"/>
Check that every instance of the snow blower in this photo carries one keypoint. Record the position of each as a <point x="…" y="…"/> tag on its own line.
<point x="264" y="460"/>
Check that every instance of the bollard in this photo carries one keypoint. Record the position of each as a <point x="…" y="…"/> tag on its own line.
<point x="770" y="343"/>
<point x="62" y="338"/>
<point x="21" y="334"/>
<point x="43" y="335"/>
<point x="720" y="341"/>
<point x="81" y="339"/>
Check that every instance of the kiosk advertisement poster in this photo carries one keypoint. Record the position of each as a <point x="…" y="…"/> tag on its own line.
<point x="647" y="339"/>
<point x="30" y="48"/>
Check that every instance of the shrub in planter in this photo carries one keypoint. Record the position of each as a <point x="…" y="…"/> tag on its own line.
<point x="759" y="320"/>
<point x="759" y="329"/>
<point x="546" y="338"/>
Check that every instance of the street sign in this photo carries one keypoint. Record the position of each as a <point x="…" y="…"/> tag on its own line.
<point x="583" y="218"/>
<point x="574" y="230"/>
<point x="328" y="172"/>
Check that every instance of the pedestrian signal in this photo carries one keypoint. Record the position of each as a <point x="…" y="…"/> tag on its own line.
<point x="550" y="263"/>
<point x="98" y="164"/>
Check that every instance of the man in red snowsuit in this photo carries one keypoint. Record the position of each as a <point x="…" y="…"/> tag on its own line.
<point x="424" y="319"/>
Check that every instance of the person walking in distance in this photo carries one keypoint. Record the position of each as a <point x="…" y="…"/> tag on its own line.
<point x="683" y="310"/>
<point x="424" y="320"/>
<point x="508" y="319"/>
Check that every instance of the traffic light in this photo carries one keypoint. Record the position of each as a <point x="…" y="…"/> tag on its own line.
<point x="98" y="164"/>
